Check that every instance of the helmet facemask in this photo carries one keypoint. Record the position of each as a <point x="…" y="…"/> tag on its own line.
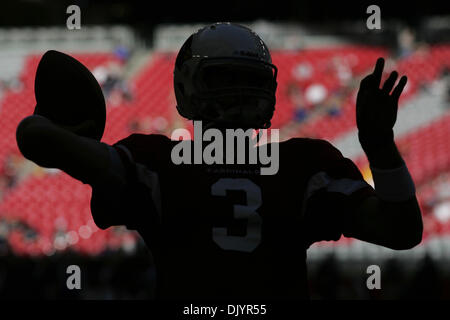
<point x="237" y="93"/>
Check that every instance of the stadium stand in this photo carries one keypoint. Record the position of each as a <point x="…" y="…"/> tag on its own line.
<point x="44" y="211"/>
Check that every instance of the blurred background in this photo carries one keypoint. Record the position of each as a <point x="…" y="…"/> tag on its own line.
<point x="322" y="50"/>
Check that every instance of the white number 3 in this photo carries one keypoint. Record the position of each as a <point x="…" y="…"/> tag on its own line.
<point x="252" y="239"/>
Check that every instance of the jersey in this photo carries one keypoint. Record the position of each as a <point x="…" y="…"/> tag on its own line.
<point x="226" y="231"/>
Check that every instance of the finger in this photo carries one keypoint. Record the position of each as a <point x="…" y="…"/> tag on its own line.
<point x="399" y="88"/>
<point x="378" y="72"/>
<point x="389" y="83"/>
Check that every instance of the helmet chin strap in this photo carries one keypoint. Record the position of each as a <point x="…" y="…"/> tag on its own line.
<point x="209" y="124"/>
<point x="226" y="121"/>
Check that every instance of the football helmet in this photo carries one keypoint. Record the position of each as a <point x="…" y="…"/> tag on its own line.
<point x="224" y="76"/>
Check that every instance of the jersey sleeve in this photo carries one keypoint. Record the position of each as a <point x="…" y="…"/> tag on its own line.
<point x="137" y="202"/>
<point x="334" y="190"/>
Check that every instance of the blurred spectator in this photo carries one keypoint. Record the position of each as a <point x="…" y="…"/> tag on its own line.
<point x="443" y="85"/>
<point x="123" y="53"/>
<point x="15" y="169"/>
<point x="334" y="102"/>
<point x="440" y="201"/>
<point x="4" y="232"/>
<point x="303" y="71"/>
<point x="315" y="94"/>
<point x="340" y="68"/>
<point x="147" y="125"/>
<point x="296" y="98"/>
<point x="114" y="86"/>
<point x="405" y="42"/>
<point x="10" y="171"/>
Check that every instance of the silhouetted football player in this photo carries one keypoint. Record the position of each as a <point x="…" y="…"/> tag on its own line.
<point x="225" y="230"/>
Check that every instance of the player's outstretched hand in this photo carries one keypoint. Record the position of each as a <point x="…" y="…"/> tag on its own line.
<point x="376" y="108"/>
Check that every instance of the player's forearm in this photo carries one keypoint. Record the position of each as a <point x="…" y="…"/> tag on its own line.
<point x="406" y="222"/>
<point x="51" y="146"/>
<point x="392" y="218"/>
<point x="395" y="225"/>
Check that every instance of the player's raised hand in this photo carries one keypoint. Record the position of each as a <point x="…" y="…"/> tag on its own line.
<point x="376" y="107"/>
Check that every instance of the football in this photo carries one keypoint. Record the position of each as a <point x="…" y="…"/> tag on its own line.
<point x="68" y="94"/>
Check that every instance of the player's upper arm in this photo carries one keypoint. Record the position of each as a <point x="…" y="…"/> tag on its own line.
<point x="120" y="187"/>
<point x="51" y="146"/>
